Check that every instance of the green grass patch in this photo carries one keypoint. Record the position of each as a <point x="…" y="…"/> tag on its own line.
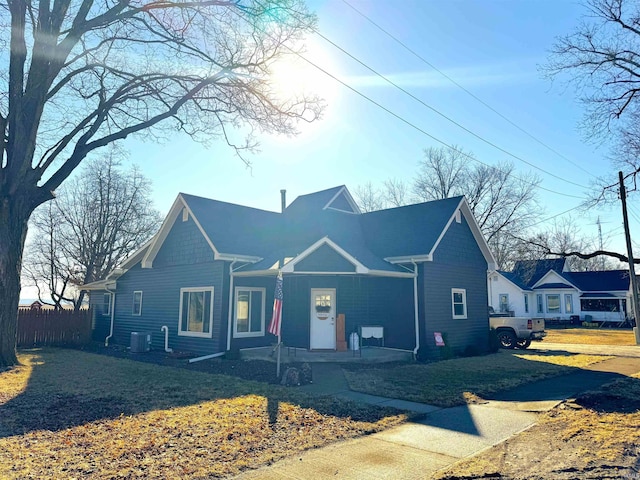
<point x="70" y="414"/>
<point x="462" y="380"/>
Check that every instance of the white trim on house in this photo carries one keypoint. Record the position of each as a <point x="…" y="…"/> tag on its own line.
<point x="496" y="273"/>
<point x="133" y="305"/>
<point x="188" y="333"/>
<point x="259" y="333"/>
<point x="463" y="207"/>
<point x="179" y="206"/>
<point x="177" y="209"/>
<point x="560" y="278"/>
<point x="409" y="259"/>
<point x="350" y="201"/>
<point x="108" y="303"/>
<point x="359" y="267"/>
<point x="463" y="291"/>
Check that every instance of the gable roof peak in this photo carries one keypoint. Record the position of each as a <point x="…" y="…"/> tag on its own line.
<point x="335" y="198"/>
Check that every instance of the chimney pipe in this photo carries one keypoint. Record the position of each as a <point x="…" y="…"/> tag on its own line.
<point x="283" y="199"/>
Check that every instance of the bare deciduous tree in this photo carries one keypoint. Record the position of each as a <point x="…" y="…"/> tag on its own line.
<point x="88" y="230"/>
<point x="80" y="75"/>
<point x="369" y="198"/>
<point x="441" y="174"/>
<point x="501" y="202"/>
<point x="565" y="239"/>
<point x="601" y="60"/>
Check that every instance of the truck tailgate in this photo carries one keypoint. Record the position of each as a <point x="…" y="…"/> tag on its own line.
<point x="537" y="324"/>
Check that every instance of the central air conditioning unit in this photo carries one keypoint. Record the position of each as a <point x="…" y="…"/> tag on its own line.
<point x="140" y="342"/>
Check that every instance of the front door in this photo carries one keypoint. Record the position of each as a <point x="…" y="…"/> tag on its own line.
<point x="323" y="319"/>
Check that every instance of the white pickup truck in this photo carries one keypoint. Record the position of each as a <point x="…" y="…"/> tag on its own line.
<point x="515" y="332"/>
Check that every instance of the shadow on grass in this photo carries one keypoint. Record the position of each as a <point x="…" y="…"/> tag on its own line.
<point x="67" y="388"/>
<point x="459" y="382"/>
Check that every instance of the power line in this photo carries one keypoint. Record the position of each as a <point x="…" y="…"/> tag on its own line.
<point x="407" y="122"/>
<point x="555" y="216"/>
<point x="471" y="94"/>
<point x="438" y="112"/>
<point x="412" y="125"/>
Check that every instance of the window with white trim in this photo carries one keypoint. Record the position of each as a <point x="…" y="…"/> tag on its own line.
<point x="249" y="312"/>
<point x="526" y="303"/>
<point x="540" y="305"/>
<point x="504" y="302"/>
<point x="459" y="302"/>
<point x="196" y="312"/>
<point x="568" y="303"/>
<point x="553" y="303"/>
<point x="136" y="309"/>
<point x="106" y="304"/>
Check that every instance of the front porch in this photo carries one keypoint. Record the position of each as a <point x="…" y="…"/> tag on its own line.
<point x="293" y="354"/>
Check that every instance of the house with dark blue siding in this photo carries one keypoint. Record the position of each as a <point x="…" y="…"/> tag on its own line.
<point x="209" y="277"/>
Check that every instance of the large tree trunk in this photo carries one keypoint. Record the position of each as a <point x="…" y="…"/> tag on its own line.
<point x="14" y="216"/>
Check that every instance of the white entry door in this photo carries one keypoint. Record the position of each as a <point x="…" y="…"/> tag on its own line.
<point x="323" y="319"/>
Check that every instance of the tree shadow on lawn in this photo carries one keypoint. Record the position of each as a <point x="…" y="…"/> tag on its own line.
<point x="576" y="382"/>
<point x="63" y="392"/>
<point x="460" y="417"/>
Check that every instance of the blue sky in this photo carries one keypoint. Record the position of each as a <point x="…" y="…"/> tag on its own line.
<point x="493" y="48"/>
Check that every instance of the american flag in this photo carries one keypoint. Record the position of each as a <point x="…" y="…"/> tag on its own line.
<point x="276" y="319"/>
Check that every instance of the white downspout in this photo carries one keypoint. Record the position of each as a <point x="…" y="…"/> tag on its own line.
<point x="415" y="306"/>
<point x="229" y="317"/>
<point x="113" y="312"/>
<point x="165" y="329"/>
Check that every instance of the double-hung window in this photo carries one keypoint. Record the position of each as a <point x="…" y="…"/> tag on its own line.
<point x="539" y="304"/>
<point x="504" y="302"/>
<point x="553" y="303"/>
<point x="137" y="303"/>
<point x="249" y="312"/>
<point x="459" y="303"/>
<point x="568" y="303"/>
<point x="196" y="312"/>
<point x="106" y="304"/>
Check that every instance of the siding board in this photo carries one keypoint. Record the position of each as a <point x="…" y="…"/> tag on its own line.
<point x="458" y="262"/>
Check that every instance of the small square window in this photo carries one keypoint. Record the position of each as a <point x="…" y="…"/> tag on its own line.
<point x="459" y="303"/>
<point x="137" y="303"/>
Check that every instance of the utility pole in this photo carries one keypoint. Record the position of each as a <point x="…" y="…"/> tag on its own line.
<point x="600" y="237"/>
<point x="632" y="271"/>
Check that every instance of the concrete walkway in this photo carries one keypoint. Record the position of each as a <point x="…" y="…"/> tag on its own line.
<point x="416" y="450"/>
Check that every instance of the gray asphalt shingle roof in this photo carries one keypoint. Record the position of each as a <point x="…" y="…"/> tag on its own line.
<point x="369" y="237"/>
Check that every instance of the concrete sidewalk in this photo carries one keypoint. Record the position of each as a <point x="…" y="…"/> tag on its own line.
<point x="416" y="450"/>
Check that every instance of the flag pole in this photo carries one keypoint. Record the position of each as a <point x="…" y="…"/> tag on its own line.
<point x="276" y="319"/>
<point x="278" y="361"/>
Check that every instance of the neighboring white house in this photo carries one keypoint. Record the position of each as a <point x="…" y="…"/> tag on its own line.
<point x="546" y="288"/>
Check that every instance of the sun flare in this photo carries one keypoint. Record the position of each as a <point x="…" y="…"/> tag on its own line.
<point x="293" y="77"/>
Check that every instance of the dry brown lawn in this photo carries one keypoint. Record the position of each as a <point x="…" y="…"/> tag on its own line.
<point x="70" y="414"/>
<point x="590" y="336"/>
<point x="596" y="436"/>
<point x="462" y="380"/>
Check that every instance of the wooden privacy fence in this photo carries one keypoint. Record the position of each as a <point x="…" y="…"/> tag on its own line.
<point x="53" y="327"/>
